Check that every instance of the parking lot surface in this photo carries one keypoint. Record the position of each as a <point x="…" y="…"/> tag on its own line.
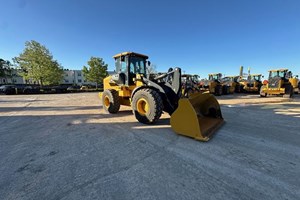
<point x="63" y="146"/>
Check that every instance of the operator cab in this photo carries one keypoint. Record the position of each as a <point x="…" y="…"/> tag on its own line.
<point x="128" y="65"/>
<point x="281" y="73"/>
<point x="215" y="77"/>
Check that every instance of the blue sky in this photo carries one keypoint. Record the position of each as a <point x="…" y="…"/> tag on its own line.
<point x="200" y="36"/>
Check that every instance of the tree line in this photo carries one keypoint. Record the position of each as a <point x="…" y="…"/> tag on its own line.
<point x="37" y="63"/>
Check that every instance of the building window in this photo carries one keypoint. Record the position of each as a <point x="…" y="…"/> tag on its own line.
<point x="66" y="81"/>
<point x="79" y="80"/>
<point x="78" y="74"/>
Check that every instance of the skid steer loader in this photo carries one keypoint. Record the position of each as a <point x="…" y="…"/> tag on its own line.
<point x="197" y="116"/>
<point x="278" y="84"/>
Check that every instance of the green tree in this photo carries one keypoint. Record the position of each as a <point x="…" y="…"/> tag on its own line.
<point x="96" y="70"/>
<point x="5" y="70"/>
<point x="37" y="63"/>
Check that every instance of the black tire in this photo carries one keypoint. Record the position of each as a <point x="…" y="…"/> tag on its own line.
<point x="289" y="91"/>
<point x="111" y="101"/>
<point x="218" y="90"/>
<point x="237" y="89"/>
<point x="261" y="93"/>
<point x="147" y="105"/>
<point x="188" y="92"/>
<point x="226" y="89"/>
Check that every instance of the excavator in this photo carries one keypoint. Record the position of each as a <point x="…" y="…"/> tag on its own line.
<point x="197" y="116"/>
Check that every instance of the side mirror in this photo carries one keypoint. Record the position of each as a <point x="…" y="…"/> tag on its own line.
<point x="263" y="76"/>
<point x="297" y="76"/>
<point x="148" y="63"/>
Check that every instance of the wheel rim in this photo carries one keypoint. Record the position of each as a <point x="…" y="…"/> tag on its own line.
<point x="142" y="106"/>
<point x="106" y="101"/>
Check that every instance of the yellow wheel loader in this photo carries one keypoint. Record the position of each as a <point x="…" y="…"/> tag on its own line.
<point x="212" y="85"/>
<point x="190" y="84"/>
<point x="278" y="84"/>
<point x="197" y="116"/>
<point x="232" y="84"/>
<point x="253" y="83"/>
<point x="295" y="83"/>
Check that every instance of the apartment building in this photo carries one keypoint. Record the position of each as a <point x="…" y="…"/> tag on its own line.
<point x="75" y="77"/>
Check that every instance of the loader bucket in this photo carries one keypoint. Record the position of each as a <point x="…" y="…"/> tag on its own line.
<point x="198" y="116"/>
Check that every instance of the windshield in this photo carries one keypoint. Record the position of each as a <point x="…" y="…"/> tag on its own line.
<point x="213" y="77"/>
<point x="256" y="78"/>
<point x="137" y="65"/>
<point x="195" y="78"/>
<point x="276" y="74"/>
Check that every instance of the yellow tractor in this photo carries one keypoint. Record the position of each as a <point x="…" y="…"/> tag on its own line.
<point x="197" y="116"/>
<point x="253" y="83"/>
<point x="278" y="84"/>
<point x="212" y="85"/>
<point x="295" y="83"/>
<point x="231" y="84"/>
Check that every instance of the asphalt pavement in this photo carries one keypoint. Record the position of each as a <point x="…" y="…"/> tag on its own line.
<point x="63" y="146"/>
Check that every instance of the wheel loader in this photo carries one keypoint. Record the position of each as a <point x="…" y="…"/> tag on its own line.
<point x="212" y="85"/>
<point x="190" y="84"/>
<point x="278" y="84"/>
<point x="295" y="83"/>
<point x="232" y="83"/>
<point x="253" y="83"/>
<point x="197" y="116"/>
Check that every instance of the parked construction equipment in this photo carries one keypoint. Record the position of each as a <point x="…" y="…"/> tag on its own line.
<point x="212" y="85"/>
<point x="278" y="84"/>
<point x="150" y="96"/>
<point x="231" y="84"/>
<point x="253" y="83"/>
<point x="190" y="84"/>
<point x="295" y="83"/>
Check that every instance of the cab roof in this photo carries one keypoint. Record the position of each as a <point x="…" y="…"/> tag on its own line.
<point x="215" y="74"/>
<point x="130" y="53"/>
<point x="275" y="70"/>
<point x="255" y="74"/>
<point x="230" y="76"/>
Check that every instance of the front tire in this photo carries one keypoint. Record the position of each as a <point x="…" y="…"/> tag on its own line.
<point x="110" y="101"/>
<point x="261" y="93"/>
<point x="218" y="90"/>
<point x="147" y="106"/>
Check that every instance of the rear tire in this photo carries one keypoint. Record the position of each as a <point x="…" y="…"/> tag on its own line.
<point x="147" y="105"/>
<point x="289" y="91"/>
<point x="218" y="90"/>
<point x="110" y="101"/>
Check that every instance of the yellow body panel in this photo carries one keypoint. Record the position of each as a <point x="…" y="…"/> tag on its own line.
<point x="193" y="117"/>
<point x="273" y="91"/>
<point x="124" y="91"/>
<point x="294" y="82"/>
